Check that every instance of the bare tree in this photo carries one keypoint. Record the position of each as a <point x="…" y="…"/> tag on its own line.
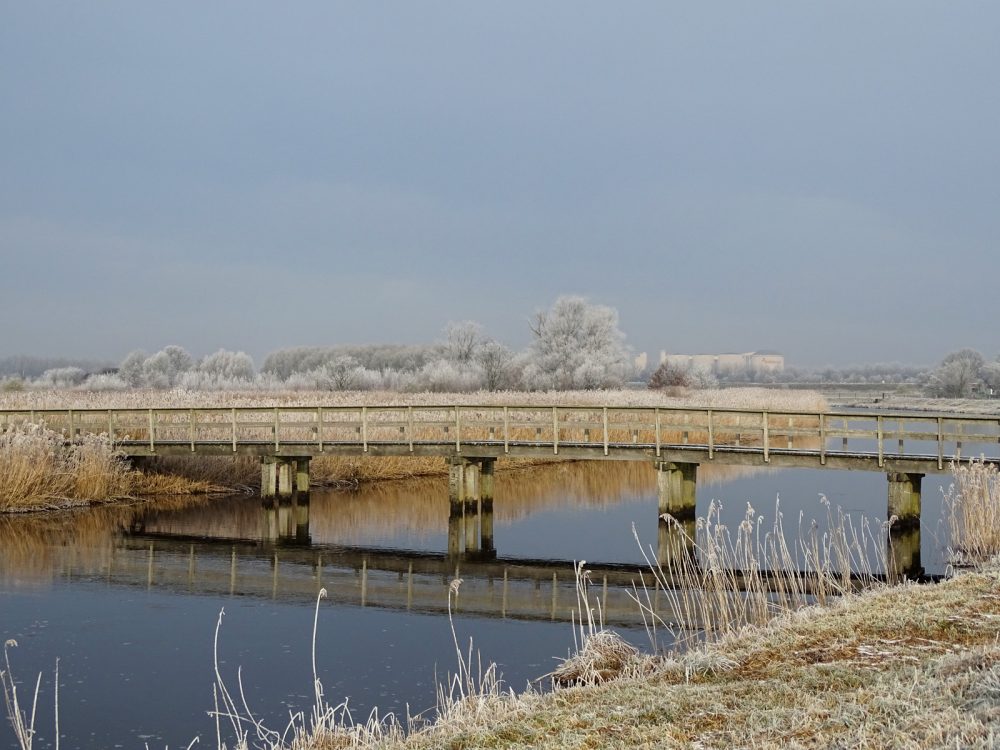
<point x="495" y="359"/>
<point x="462" y="339"/>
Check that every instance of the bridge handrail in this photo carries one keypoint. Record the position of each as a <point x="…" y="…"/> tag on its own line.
<point x="642" y="427"/>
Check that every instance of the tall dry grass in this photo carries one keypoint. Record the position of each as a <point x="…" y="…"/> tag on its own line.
<point x="972" y="513"/>
<point x="727" y="398"/>
<point x="40" y="470"/>
<point x="719" y="582"/>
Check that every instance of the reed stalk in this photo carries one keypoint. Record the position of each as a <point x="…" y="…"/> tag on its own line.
<point x="972" y="513"/>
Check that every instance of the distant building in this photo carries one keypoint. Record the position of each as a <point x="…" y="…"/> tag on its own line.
<point x="641" y="362"/>
<point x="752" y="363"/>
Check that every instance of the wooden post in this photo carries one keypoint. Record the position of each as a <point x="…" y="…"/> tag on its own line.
<point x="506" y="430"/>
<point x="767" y="458"/>
<point x="555" y="432"/>
<point x="822" y="439"/>
<point x="879" y="435"/>
<point x="605" y="411"/>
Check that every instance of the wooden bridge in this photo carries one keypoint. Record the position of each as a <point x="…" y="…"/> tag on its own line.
<point x="905" y="446"/>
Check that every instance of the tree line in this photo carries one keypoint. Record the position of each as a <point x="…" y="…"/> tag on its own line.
<point x="575" y="344"/>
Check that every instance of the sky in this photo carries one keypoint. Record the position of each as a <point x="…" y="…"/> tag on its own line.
<point x="820" y="179"/>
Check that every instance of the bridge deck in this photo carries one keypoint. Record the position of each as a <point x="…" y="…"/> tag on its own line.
<point x="879" y="441"/>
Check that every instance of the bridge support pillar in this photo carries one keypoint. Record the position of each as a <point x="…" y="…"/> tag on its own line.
<point x="281" y="476"/>
<point x="470" y="499"/>
<point x="302" y="475"/>
<point x="904" y="499"/>
<point x="904" y="553"/>
<point x="676" y="488"/>
<point x="456" y="479"/>
<point x="675" y="543"/>
<point x="486" y="467"/>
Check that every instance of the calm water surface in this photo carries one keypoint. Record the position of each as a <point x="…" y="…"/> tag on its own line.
<point x="128" y="599"/>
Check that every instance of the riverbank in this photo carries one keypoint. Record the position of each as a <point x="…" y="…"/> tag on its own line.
<point x="39" y="472"/>
<point x="902" y="667"/>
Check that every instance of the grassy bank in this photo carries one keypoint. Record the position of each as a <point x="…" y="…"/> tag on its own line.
<point x="906" y="667"/>
<point x="37" y="471"/>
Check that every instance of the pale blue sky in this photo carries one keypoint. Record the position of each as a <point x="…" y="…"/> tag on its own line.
<point x="817" y="178"/>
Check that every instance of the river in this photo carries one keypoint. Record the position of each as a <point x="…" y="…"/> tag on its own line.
<point x="127" y="598"/>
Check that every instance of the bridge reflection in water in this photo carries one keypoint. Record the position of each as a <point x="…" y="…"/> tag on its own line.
<point x="292" y="557"/>
<point x="289" y="549"/>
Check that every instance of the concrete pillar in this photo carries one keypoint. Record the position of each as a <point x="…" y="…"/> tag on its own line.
<point x="456" y="479"/>
<point x="676" y="487"/>
<point x="268" y="477"/>
<point x="904" y="553"/>
<point x="302" y="475"/>
<point x="470" y="478"/>
<point x="904" y="499"/>
<point x="486" y="480"/>
<point x="285" y="475"/>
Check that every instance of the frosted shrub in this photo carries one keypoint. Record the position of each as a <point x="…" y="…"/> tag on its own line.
<point x="104" y="382"/>
<point x="442" y="376"/>
<point x="61" y="377"/>
<point x="196" y="380"/>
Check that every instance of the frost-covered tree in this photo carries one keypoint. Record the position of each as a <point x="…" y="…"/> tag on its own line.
<point x="990" y="373"/>
<point x="496" y="360"/>
<point x="462" y="340"/>
<point x="957" y="374"/>
<point x="165" y="368"/>
<point x="131" y="368"/>
<point x="227" y="365"/>
<point x="577" y="345"/>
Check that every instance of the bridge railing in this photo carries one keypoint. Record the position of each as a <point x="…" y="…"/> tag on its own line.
<point x="554" y="428"/>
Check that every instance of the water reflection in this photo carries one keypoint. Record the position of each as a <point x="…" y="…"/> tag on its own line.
<point x="391" y="545"/>
<point x="135" y="591"/>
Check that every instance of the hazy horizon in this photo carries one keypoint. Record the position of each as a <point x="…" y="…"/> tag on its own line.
<point x="820" y="180"/>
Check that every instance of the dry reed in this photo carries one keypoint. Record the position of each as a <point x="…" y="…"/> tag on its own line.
<point x="718" y="583"/>
<point x="40" y="469"/>
<point x="972" y="513"/>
